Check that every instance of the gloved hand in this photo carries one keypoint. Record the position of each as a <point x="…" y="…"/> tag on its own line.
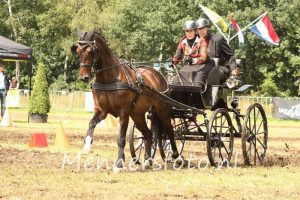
<point x="174" y="62"/>
<point x="235" y="72"/>
<point x="189" y="60"/>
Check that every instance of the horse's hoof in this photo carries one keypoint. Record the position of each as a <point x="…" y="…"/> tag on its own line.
<point x="87" y="145"/>
<point x="175" y="155"/>
<point x="117" y="169"/>
<point x="86" y="149"/>
<point x="147" y="164"/>
<point x="179" y="161"/>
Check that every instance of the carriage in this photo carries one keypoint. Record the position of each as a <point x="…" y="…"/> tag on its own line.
<point x="178" y="115"/>
<point x="191" y="107"/>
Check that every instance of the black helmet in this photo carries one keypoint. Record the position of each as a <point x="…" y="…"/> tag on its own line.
<point x="201" y="22"/>
<point x="189" y="25"/>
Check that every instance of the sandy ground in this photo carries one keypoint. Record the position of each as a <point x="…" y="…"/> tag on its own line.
<point x="18" y="162"/>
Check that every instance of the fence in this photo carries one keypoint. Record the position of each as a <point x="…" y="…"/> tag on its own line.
<point x="59" y="100"/>
<point x="75" y="101"/>
<point x="246" y="101"/>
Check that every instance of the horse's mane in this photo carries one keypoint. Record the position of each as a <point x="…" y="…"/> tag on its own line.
<point x="90" y="36"/>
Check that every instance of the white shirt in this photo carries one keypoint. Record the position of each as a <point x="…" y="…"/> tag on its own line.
<point x="2" y="82"/>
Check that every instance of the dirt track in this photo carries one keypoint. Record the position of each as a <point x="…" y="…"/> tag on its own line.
<point x="39" y="170"/>
<point x="282" y="151"/>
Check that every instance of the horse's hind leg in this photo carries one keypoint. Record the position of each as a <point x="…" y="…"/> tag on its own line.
<point x="166" y="121"/>
<point x="143" y="128"/>
<point x="98" y="116"/>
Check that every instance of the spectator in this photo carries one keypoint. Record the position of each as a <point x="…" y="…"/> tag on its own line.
<point x="4" y="87"/>
<point x="14" y="84"/>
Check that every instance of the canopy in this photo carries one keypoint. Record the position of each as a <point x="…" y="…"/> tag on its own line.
<point x="10" y="50"/>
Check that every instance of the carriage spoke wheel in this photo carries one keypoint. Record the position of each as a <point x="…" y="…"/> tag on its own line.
<point x="164" y="144"/>
<point x="219" y="138"/>
<point x="137" y="144"/>
<point x="254" y="135"/>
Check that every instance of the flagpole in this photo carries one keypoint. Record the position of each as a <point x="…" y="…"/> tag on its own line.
<point x="227" y="38"/>
<point x="219" y="30"/>
<point x="249" y="25"/>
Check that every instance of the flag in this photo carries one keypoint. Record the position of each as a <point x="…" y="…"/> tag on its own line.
<point x="234" y="25"/>
<point x="264" y="29"/>
<point x="214" y="17"/>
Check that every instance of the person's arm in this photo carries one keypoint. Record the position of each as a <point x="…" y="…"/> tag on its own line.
<point x="201" y="56"/>
<point x="227" y="51"/>
<point x="7" y="83"/>
<point x="178" y="54"/>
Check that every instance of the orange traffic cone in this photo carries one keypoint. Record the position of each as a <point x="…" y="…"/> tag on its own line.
<point x="108" y="122"/>
<point x="111" y="121"/>
<point x="61" y="140"/>
<point x="38" y="140"/>
<point x="7" y="120"/>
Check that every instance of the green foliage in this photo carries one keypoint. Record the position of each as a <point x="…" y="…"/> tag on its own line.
<point x="269" y="88"/>
<point x="39" y="102"/>
<point x="62" y="84"/>
<point x="149" y="30"/>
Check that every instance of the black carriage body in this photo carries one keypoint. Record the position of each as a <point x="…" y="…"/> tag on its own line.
<point x="189" y="117"/>
<point x="193" y="96"/>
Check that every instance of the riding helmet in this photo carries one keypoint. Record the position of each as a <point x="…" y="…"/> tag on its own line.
<point x="201" y="22"/>
<point x="189" y="25"/>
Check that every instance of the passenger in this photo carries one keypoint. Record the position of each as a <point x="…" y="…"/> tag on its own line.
<point x="219" y="48"/>
<point x="192" y="51"/>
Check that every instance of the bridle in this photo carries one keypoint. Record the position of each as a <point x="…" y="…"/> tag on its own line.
<point x="95" y="68"/>
<point x="82" y="45"/>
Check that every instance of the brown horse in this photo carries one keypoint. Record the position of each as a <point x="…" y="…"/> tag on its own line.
<point x="119" y="89"/>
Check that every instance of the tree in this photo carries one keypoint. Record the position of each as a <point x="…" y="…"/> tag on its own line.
<point x="146" y="30"/>
<point x="39" y="102"/>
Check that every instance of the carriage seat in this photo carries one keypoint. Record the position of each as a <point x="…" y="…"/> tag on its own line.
<point x="192" y="95"/>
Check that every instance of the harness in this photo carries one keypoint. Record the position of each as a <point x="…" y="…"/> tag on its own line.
<point x="119" y="85"/>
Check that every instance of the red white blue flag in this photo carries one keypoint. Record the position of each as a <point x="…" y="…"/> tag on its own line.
<point x="264" y="29"/>
<point x="234" y="25"/>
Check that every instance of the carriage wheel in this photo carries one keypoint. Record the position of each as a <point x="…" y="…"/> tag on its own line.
<point x="137" y="143"/>
<point x="254" y="135"/>
<point x="219" y="138"/>
<point x="164" y="144"/>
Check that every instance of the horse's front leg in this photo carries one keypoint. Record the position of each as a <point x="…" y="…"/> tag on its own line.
<point x="122" y="140"/>
<point x="98" y="116"/>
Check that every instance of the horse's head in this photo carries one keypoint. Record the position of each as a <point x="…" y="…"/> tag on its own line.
<point x="88" y="50"/>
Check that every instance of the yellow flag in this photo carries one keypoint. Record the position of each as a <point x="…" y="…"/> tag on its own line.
<point x="215" y="18"/>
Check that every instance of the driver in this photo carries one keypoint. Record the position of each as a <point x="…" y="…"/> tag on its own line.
<point x="219" y="48"/>
<point x="192" y="51"/>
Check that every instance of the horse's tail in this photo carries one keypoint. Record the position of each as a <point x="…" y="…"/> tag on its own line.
<point x="157" y="126"/>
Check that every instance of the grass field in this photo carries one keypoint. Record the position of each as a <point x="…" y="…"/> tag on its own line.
<point x="27" y="173"/>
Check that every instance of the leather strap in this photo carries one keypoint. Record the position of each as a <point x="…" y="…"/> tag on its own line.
<point x="111" y="86"/>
